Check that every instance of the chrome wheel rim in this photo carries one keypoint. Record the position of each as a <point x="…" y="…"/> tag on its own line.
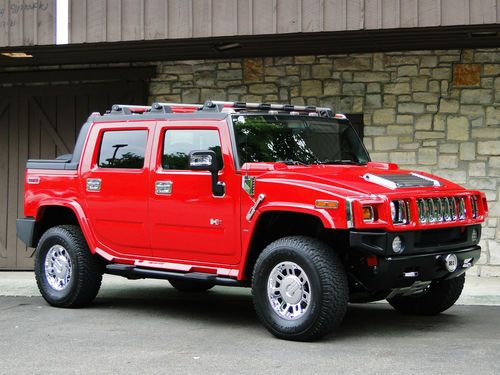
<point x="289" y="290"/>
<point x="58" y="267"/>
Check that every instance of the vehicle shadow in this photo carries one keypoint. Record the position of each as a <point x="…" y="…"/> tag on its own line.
<point x="233" y="307"/>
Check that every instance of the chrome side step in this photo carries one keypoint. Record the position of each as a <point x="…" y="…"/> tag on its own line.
<point x="134" y="273"/>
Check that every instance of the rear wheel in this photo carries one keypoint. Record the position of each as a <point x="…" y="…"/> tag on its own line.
<point x="67" y="274"/>
<point x="299" y="288"/>
<point x="438" y="297"/>
<point x="191" y="286"/>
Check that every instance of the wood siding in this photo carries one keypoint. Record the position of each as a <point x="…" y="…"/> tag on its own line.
<point x="27" y="22"/>
<point x="32" y="22"/>
<point x="124" y="20"/>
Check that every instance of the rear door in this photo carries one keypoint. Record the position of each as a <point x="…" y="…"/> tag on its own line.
<point x="188" y="222"/>
<point x="115" y="181"/>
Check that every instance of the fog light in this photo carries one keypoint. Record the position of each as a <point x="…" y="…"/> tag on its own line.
<point x="475" y="236"/>
<point x="451" y="262"/>
<point x="397" y="245"/>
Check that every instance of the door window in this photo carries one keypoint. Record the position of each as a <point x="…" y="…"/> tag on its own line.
<point x="178" y="144"/>
<point x="123" y="149"/>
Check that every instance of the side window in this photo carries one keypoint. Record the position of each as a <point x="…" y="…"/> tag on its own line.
<point x="178" y="144"/>
<point x="123" y="149"/>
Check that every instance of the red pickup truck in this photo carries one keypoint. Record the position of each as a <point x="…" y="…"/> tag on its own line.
<point x="280" y="198"/>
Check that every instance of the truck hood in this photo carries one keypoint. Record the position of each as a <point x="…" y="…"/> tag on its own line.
<point x="352" y="180"/>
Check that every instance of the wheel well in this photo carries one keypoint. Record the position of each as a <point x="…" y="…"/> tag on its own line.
<point x="278" y="224"/>
<point x="51" y="216"/>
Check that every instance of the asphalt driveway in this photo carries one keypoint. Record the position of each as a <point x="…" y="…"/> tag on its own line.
<point x="155" y="329"/>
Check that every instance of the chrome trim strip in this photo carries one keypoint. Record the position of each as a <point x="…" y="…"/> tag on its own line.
<point x="380" y="181"/>
<point x="435" y="182"/>
<point x="253" y="209"/>
<point x="349" y="213"/>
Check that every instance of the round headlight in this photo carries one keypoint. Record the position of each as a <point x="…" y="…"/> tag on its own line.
<point x="398" y="245"/>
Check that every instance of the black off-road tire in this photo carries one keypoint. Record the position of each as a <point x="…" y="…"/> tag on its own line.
<point x="440" y="296"/>
<point x="329" y="292"/>
<point x="86" y="268"/>
<point x="191" y="286"/>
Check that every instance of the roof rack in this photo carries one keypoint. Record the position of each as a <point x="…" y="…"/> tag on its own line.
<point x="221" y="106"/>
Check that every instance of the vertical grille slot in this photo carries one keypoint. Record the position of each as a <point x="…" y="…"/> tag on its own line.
<point x="443" y="210"/>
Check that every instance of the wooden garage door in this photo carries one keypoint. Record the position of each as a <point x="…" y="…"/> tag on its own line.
<point x="43" y="122"/>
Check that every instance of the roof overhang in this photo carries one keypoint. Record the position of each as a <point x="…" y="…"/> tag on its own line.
<point x="451" y="37"/>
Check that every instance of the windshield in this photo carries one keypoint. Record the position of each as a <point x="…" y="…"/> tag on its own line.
<point x="297" y="140"/>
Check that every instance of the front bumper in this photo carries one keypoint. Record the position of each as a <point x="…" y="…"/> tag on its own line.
<point x="374" y="267"/>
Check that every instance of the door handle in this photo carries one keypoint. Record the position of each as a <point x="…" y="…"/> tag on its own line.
<point x="94" y="184"/>
<point x="163" y="187"/>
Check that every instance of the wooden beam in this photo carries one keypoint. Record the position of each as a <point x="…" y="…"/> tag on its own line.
<point x="78" y="75"/>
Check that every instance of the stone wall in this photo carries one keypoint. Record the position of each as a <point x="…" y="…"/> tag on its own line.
<point x="437" y="111"/>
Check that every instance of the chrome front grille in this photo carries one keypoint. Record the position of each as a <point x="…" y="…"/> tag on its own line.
<point x="440" y="210"/>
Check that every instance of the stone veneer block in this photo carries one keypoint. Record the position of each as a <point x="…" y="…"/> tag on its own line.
<point x="466" y="75"/>
<point x="458" y="128"/>
<point x="253" y="69"/>
<point x="488" y="148"/>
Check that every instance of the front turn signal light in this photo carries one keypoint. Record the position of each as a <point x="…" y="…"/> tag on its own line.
<point x="326" y="204"/>
<point x="368" y="214"/>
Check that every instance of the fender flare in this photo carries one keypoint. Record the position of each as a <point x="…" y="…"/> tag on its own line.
<point x="77" y="209"/>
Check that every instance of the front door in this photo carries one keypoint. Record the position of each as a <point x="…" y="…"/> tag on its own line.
<point x="116" y="186"/>
<point x="188" y="222"/>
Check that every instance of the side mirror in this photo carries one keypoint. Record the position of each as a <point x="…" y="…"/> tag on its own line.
<point x="206" y="160"/>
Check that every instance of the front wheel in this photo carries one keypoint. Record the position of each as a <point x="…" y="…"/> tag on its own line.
<point x="299" y="288"/>
<point x="438" y="297"/>
<point x="67" y="274"/>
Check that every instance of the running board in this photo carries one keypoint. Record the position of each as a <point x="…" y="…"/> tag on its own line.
<point x="134" y="272"/>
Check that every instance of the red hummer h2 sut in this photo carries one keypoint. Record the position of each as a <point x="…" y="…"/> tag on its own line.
<point x="280" y="198"/>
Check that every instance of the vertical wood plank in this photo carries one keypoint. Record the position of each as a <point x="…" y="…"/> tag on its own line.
<point x="312" y="15"/>
<point x="373" y="14"/>
<point x="335" y="15"/>
<point x="287" y="16"/>
<point x="96" y="21"/>
<point x="23" y="260"/>
<point x="113" y="20"/>
<point x="29" y="28"/>
<point x="390" y="13"/>
<point x="78" y="21"/>
<point x="483" y="11"/>
<point x="4" y="23"/>
<point x="263" y="17"/>
<point x="65" y="116"/>
<point x="46" y="23"/>
<point x="16" y="24"/>
<point x="4" y="176"/>
<point x="154" y="13"/>
<point x="409" y="13"/>
<point x="224" y="17"/>
<point x="13" y="184"/>
<point x="179" y="18"/>
<point x="429" y="13"/>
<point x="244" y="17"/>
<point x="354" y="14"/>
<point x="455" y="12"/>
<point x="131" y="20"/>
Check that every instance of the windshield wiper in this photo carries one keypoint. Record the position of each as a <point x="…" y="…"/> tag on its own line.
<point x="291" y="162"/>
<point x="341" y="161"/>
